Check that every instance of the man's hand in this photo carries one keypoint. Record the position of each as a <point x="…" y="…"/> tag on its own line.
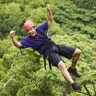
<point x="12" y="33"/>
<point x="48" y="7"/>
<point x="15" y="42"/>
<point x="49" y="14"/>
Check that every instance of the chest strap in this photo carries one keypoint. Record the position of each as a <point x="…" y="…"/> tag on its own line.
<point x="44" y="39"/>
<point x="47" y="45"/>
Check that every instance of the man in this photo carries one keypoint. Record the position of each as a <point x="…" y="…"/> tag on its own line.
<point x="38" y="40"/>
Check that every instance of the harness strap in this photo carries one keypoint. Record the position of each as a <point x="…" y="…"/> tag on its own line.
<point x="44" y="38"/>
<point x="47" y="45"/>
<point x="50" y="66"/>
<point x="45" y="64"/>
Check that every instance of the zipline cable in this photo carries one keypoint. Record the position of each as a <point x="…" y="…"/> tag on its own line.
<point x="87" y="91"/>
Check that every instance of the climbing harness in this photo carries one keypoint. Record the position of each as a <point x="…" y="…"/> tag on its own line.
<point x="48" y="45"/>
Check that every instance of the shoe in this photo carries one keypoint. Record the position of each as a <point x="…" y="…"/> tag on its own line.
<point x="74" y="72"/>
<point x="75" y="86"/>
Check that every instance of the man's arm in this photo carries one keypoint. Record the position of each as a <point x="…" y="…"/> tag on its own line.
<point x="15" y="42"/>
<point x="49" y="13"/>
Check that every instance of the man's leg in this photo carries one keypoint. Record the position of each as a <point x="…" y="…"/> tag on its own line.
<point x="75" y="58"/>
<point x="67" y="76"/>
<point x="64" y="72"/>
<point x="69" y="52"/>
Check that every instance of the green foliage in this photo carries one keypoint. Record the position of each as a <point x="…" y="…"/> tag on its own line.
<point x="6" y="1"/>
<point x="73" y="19"/>
<point x="33" y="15"/>
<point x="84" y="3"/>
<point x="11" y="18"/>
<point x="22" y="72"/>
<point x="37" y="87"/>
<point x="4" y="45"/>
<point x="55" y="29"/>
<point x="87" y="63"/>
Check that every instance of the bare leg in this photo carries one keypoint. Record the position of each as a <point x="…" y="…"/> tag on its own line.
<point x="75" y="58"/>
<point x="64" y="72"/>
<point x="67" y="76"/>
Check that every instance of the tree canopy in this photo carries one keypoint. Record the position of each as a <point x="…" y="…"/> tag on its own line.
<point x="21" y="71"/>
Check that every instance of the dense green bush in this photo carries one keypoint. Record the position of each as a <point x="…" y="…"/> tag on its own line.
<point x="21" y="71"/>
<point x="11" y="18"/>
<point x="73" y="19"/>
<point x="84" y="3"/>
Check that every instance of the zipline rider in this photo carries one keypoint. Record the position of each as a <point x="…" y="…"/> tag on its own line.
<point x="39" y="41"/>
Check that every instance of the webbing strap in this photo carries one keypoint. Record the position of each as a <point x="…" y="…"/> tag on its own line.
<point x="50" y="66"/>
<point x="47" y="45"/>
<point x="45" y="64"/>
<point x="44" y="38"/>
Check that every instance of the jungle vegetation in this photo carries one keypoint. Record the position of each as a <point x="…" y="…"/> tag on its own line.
<point x="22" y="72"/>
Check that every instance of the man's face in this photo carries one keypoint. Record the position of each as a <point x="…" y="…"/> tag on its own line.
<point x="32" y="31"/>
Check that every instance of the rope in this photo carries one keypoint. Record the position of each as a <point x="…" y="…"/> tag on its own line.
<point x="10" y="79"/>
<point x="38" y="79"/>
<point x="35" y="84"/>
<point x="87" y="91"/>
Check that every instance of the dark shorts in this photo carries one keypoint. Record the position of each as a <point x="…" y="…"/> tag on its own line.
<point x="66" y="51"/>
